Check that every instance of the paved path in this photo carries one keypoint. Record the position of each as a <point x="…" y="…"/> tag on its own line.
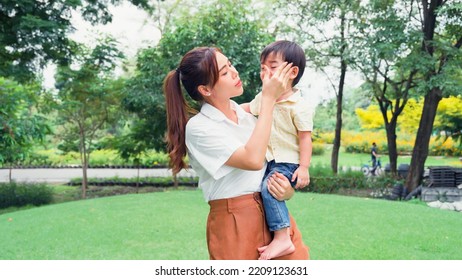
<point x="63" y="175"/>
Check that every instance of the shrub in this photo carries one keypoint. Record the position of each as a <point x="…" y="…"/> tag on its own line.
<point x="155" y="158"/>
<point x="143" y="181"/>
<point x="324" y="137"/>
<point x="320" y="170"/>
<point x="334" y="184"/>
<point x="324" y="181"/>
<point x="444" y="147"/>
<point x="361" y="143"/>
<point x="318" y="149"/>
<point x="105" y="158"/>
<point x="21" y="194"/>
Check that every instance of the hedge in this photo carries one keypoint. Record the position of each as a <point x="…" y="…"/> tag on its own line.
<point x="21" y="194"/>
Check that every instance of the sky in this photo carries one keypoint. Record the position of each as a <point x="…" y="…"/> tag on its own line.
<point x="134" y="30"/>
<point x="130" y="26"/>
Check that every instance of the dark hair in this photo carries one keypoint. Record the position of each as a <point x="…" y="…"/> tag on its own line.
<point x="291" y="52"/>
<point x="197" y="67"/>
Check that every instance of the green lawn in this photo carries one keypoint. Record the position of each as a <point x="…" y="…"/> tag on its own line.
<point x="171" y="225"/>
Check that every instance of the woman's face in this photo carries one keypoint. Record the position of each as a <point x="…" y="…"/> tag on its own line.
<point x="229" y="84"/>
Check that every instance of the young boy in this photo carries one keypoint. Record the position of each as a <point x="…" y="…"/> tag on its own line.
<point x="290" y="147"/>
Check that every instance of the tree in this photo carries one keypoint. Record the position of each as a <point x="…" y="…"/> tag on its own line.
<point x="441" y="42"/>
<point x="20" y="123"/>
<point x="309" y="20"/>
<point x="130" y="149"/>
<point x="89" y="97"/>
<point x="372" y="118"/>
<point x="387" y="59"/>
<point x="447" y="122"/>
<point x="404" y="60"/>
<point x="228" y="25"/>
<point x="34" y="33"/>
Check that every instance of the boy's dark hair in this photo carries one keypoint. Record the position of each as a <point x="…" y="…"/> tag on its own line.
<point x="290" y="52"/>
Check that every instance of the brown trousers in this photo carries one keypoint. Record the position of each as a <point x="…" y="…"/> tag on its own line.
<point x="236" y="227"/>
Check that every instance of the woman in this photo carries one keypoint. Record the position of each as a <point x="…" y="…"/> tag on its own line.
<point x="226" y="147"/>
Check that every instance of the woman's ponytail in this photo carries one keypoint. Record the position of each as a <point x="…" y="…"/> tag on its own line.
<point x="197" y="67"/>
<point x="177" y="117"/>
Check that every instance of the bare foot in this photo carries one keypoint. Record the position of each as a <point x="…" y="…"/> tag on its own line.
<point x="280" y="246"/>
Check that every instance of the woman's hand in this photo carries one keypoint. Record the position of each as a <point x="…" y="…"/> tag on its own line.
<point x="279" y="187"/>
<point x="275" y="85"/>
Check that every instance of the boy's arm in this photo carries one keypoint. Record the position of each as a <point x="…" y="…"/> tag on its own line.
<point x="302" y="173"/>
<point x="253" y="107"/>
<point x="306" y="148"/>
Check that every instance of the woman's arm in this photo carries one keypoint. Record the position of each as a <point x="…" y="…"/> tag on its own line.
<point x="251" y="156"/>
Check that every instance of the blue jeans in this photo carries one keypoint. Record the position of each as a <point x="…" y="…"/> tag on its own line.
<point x="277" y="214"/>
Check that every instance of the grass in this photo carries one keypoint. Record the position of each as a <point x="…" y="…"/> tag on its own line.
<point x="171" y="226"/>
<point x="150" y="226"/>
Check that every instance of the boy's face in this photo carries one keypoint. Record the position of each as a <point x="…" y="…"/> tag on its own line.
<point x="272" y="61"/>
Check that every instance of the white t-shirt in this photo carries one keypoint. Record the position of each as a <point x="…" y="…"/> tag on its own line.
<point x="211" y="139"/>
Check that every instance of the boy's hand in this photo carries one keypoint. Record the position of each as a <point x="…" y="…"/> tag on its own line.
<point x="303" y="177"/>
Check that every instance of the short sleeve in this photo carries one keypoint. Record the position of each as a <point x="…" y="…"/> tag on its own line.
<point x="211" y="147"/>
<point x="304" y="115"/>
<point x="255" y="105"/>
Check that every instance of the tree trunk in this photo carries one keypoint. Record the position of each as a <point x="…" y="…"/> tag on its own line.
<point x="392" y="147"/>
<point x="175" y="180"/>
<point x="85" y="178"/>
<point x="420" y="151"/>
<point x="432" y="99"/>
<point x="10" y="173"/>
<point x="84" y="160"/>
<point x="338" y="124"/>
<point x="137" y="177"/>
<point x="338" y="128"/>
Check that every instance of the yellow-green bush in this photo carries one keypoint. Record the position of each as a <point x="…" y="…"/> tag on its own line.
<point x="324" y="137"/>
<point x="318" y="149"/>
<point x="444" y="147"/>
<point x="103" y="157"/>
<point x="55" y="158"/>
<point x="355" y="142"/>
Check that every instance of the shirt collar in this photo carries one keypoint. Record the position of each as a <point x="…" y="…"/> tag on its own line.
<point x="294" y="97"/>
<point x="213" y="113"/>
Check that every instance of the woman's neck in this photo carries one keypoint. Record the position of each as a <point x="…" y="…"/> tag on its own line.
<point x="226" y="108"/>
